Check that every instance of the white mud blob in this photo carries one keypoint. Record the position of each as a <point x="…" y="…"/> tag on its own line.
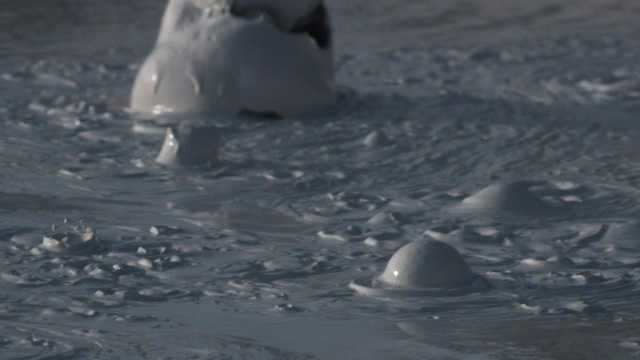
<point x="71" y="239"/>
<point x="423" y="267"/>
<point x="190" y="145"/>
<point x="256" y="57"/>
<point x="515" y="198"/>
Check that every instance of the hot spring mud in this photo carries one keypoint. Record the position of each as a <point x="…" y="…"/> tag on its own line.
<point x="513" y="141"/>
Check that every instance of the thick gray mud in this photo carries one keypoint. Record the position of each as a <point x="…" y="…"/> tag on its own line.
<point x="518" y="147"/>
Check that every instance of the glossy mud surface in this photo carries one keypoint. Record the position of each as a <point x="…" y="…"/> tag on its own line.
<point x="507" y="130"/>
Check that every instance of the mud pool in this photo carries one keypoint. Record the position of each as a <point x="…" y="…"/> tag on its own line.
<point x="508" y="130"/>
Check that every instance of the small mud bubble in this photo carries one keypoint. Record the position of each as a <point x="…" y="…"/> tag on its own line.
<point x="190" y="145"/>
<point x="423" y="267"/>
<point x="377" y="138"/>
<point x="516" y="198"/>
<point x="427" y="264"/>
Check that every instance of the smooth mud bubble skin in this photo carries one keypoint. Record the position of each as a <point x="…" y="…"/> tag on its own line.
<point x="245" y="57"/>
<point x="423" y="267"/>
<point x="190" y="145"/>
<point x="515" y="197"/>
<point x="427" y="263"/>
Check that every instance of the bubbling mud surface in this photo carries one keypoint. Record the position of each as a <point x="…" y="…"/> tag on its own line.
<point x="522" y="154"/>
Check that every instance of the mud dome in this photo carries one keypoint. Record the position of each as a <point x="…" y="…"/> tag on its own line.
<point x="507" y="131"/>
<point x="427" y="263"/>
<point x="423" y="267"/>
